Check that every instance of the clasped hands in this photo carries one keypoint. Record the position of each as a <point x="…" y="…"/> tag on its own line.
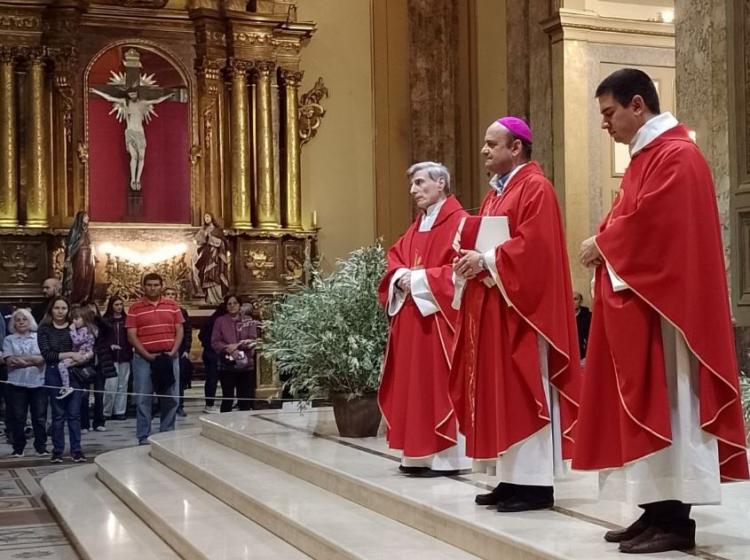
<point x="468" y="265"/>
<point x="589" y="254"/>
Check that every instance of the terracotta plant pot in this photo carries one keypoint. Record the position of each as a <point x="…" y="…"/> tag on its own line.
<point x="358" y="416"/>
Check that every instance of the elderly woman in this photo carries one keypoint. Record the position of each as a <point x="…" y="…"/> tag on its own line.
<point x="25" y="379"/>
<point x="231" y="339"/>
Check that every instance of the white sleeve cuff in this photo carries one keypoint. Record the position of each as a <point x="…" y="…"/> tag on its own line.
<point x="421" y="293"/>
<point x="491" y="264"/>
<point x="396" y="297"/>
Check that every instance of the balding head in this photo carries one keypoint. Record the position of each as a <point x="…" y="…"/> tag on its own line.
<point x="51" y="288"/>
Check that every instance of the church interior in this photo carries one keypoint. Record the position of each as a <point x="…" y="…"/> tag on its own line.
<point x="280" y="131"/>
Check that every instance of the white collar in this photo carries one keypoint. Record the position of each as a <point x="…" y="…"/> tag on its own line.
<point x="430" y="215"/>
<point x="651" y="130"/>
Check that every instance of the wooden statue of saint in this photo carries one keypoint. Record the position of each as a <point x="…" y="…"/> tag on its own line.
<point x="78" y="267"/>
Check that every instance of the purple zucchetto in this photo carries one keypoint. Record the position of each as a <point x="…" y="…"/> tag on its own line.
<point x="518" y="127"/>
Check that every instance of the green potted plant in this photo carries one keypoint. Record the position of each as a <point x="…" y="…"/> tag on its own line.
<point x="328" y="339"/>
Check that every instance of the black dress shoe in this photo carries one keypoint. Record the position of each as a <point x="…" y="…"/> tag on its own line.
<point x="429" y="473"/>
<point x="411" y="470"/>
<point x="635" y="529"/>
<point x="502" y="491"/>
<point x="528" y="498"/>
<point x="679" y="535"/>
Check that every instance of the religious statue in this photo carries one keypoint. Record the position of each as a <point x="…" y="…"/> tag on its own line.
<point x="133" y="96"/>
<point x="211" y="264"/>
<point x="78" y="265"/>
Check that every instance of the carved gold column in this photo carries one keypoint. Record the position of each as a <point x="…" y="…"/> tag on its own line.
<point x="65" y="61"/>
<point x="267" y="208"/>
<point x="292" y="208"/>
<point x="209" y="73"/>
<point x="8" y="148"/>
<point x="240" y="132"/>
<point x="37" y="152"/>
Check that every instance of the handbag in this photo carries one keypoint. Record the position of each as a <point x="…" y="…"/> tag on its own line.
<point x="84" y="375"/>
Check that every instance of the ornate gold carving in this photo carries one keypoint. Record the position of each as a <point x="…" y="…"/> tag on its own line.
<point x="37" y="144"/>
<point x="65" y="63"/>
<point x="143" y="3"/>
<point x="259" y="263"/>
<point x="83" y="153"/>
<point x="16" y="262"/>
<point x="311" y="112"/>
<point x="195" y="154"/>
<point x="253" y="39"/>
<point x="124" y="277"/>
<point x="8" y="141"/>
<point x="19" y="22"/>
<point x="291" y="77"/>
<point x="294" y="263"/>
<point x="267" y="207"/>
<point x="58" y="262"/>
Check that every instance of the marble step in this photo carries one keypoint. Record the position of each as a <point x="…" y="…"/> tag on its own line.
<point x="365" y="472"/>
<point x="104" y="527"/>
<point x="322" y="524"/>
<point x="190" y="520"/>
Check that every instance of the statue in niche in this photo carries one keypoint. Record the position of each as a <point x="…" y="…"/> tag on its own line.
<point x="211" y="266"/>
<point x="133" y="96"/>
<point x="78" y="265"/>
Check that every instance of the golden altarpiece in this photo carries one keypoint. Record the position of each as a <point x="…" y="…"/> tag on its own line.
<point x="227" y="142"/>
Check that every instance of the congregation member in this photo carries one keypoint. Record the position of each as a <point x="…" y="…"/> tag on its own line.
<point x="154" y="325"/>
<point x="51" y="288"/>
<point x="516" y="373"/>
<point x="24" y="390"/>
<point x="417" y="292"/>
<point x="583" y="323"/>
<point x="186" y="365"/>
<point x="55" y="345"/>
<point x="103" y="365"/>
<point x="115" y="398"/>
<point x="231" y="339"/>
<point x="660" y="409"/>
<point x="210" y="360"/>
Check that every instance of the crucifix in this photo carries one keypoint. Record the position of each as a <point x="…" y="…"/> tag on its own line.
<point x="133" y="96"/>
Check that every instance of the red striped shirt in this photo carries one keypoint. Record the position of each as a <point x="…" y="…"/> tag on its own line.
<point x="155" y="323"/>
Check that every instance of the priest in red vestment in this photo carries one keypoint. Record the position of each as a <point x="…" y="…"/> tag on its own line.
<point x="660" y="406"/>
<point x="516" y="372"/>
<point x="417" y="291"/>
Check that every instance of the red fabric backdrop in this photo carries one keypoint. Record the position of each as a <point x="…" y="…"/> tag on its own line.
<point x="166" y="172"/>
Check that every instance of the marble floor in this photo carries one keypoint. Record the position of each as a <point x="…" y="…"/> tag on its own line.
<point x="27" y="528"/>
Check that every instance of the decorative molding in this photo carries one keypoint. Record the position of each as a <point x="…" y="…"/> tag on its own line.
<point x="143" y="3"/>
<point x="20" y="22"/>
<point x="311" y="112"/>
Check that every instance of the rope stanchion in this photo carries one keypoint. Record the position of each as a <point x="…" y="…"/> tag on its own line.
<point x="186" y="397"/>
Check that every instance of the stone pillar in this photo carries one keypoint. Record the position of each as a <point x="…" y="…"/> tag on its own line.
<point x="292" y="193"/>
<point x="267" y="208"/>
<point x="8" y="147"/>
<point x="240" y="135"/>
<point x="37" y="145"/>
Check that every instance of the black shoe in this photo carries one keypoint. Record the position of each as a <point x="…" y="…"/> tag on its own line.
<point x="528" y="498"/>
<point x="679" y="535"/>
<point x="56" y="457"/>
<point x="502" y="491"/>
<point x="411" y="470"/>
<point x="429" y="473"/>
<point x="119" y="417"/>
<point x="635" y="529"/>
<point x="181" y="412"/>
<point x="78" y="457"/>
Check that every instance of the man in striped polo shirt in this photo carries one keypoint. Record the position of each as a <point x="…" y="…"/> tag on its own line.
<point x="154" y="326"/>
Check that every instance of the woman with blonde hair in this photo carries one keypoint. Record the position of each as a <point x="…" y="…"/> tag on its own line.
<point x="25" y="380"/>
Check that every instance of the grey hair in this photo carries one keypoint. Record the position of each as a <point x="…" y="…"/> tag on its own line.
<point x="434" y="170"/>
<point x="29" y="317"/>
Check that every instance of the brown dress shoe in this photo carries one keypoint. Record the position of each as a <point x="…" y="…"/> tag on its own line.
<point x="635" y="529"/>
<point x="679" y="535"/>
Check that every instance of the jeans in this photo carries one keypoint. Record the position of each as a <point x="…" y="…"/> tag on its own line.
<point x="243" y="381"/>
<point x="20" y="401"/>
<point x="115" y="400"/>
<point x="67" y="410"/>
<point x="211" y="370"/>
<point x="168" y="405"/>
<point x="98" y="405"/>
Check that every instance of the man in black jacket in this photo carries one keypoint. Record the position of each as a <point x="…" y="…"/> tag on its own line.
<point x="583" y="322"/>
<point x="186" y="366"/>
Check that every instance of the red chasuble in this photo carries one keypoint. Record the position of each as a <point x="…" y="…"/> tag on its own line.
<point x="496" y="383"/>
<point x="662" y="238"/>
<point x="413" y="392"/>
